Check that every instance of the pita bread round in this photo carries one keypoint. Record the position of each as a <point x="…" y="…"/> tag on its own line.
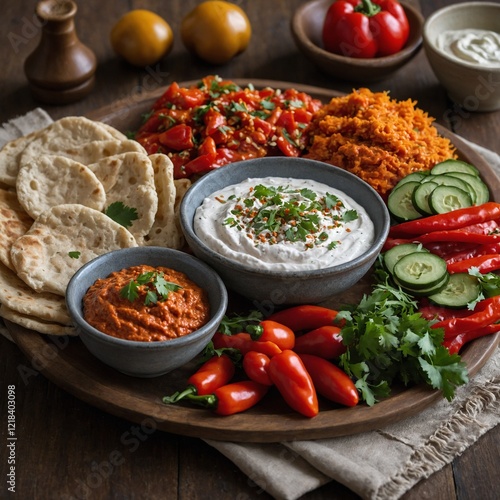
<point x="164" y="231"/>
<point x="60" y="241"/>
<point x="37" y="324"/>
<point x="10" y="158"/>
<point x="56" y="180"/>
<point x="135" y="187"/>
<point x="18" y="296"/>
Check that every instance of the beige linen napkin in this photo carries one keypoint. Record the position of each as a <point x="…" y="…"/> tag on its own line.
<point x="377" y="465"/>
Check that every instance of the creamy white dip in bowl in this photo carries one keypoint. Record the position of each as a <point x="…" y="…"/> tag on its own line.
<point x="462" y="44"/>
<point x="322" y="251"/>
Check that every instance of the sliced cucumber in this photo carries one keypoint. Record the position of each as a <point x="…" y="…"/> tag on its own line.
<point x="400" y="202"/>
<point x="447" y="198"/>
<point x="420" y="197"/>
<point x="414" y="176"/>
<point x="461" y="289"/>
<point x="424" y="292"/>
<point x="448" y="166"/>
<point x="420" y="270"/>
<point x="478" y="187"/>
<point x="392" y="256"/>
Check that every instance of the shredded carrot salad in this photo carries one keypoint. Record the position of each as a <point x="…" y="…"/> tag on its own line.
<point x="376" y="138"/>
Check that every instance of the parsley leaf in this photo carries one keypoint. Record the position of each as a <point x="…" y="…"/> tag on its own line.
<point x="238" y="323"/>
<point x="121" y="213"/>
<point x="156" y="288"/>
<point x="389" y="341"/>
<point x="74" y="254"/>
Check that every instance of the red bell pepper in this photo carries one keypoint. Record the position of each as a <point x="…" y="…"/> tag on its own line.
<point x="256" y="365"/>
<point x="304" y="317"/>
<point x="365" y="28"/>
<point x="289" y="375"/>
<point x="244" y="343"/>
<point x="330" y="381"/>
<point x="178" y="137"/>
<point x="325" y="342"/>
<point x="211" y="375"/>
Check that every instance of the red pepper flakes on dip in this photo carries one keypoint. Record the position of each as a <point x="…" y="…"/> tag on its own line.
<point x="146" y="304"/>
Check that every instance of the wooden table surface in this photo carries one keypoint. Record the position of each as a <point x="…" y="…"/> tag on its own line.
<point x="62" y="441"/>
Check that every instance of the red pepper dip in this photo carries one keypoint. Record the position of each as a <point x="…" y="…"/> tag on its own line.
<point x="110" y="306"/>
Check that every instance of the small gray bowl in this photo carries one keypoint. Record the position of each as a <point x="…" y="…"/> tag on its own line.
<point x="472" y="86"/>
<point x="146" y="359"/>
<point x="270" y="287"/>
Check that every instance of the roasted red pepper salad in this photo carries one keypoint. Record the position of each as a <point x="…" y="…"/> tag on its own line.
<point x="217" y="122"/>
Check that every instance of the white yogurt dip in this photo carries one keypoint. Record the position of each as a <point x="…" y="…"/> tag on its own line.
<point x="284" y="224"/>
<point x="481" y="47"/>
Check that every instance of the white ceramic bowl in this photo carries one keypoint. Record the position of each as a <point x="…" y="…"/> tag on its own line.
<point x="472" y="86"/>
<point x="270" y="287"/>
<point x="307" y="26"/>
<point x="146" y="359"/>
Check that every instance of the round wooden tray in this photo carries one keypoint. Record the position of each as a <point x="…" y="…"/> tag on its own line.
<point x="67" y="363"/>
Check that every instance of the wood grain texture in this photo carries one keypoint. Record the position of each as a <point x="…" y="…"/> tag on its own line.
<point x="62" y="440"/>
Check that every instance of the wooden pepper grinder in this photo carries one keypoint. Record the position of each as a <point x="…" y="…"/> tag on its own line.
<point x="61" y="69"/>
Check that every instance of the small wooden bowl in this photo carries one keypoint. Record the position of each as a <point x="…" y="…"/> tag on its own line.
<point x="307" y="25"/>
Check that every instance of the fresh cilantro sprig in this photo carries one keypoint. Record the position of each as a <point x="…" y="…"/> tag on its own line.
<point x="237" y="323"/>
<point x="489" y="283"/>
<point x="121" y="213"/>
<point x="389" y="341"/>
<point x="157" y="288"/>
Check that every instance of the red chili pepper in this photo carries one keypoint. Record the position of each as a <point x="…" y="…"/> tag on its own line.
<point x="211" y="375"/>
<point x="255" y="365"/>
<point x="460" y="235"/>
<point x="304" y="317"/>
<point x="325" y="342"/>
<point x="431" y="312"/>
<point x="238" y="396"/>
<point x="232" y="398"/>
<point x="271" y="331"/>
<point x="289" y="375"/>
<point x="475" y="251"/>
<point x="456" y="219"/>
<point x="330" y="381"/>
<point x="485" y="264"/>
<point x="485" y="313"/>
<point x="365" y="28"/>
<point x="456" y="343"/>
<point x="244" y="343"/>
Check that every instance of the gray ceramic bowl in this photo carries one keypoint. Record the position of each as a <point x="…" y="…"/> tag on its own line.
<point x="146" y="359"/>
<point x="472" y="86"/>
<point x="290" y="287"/>
<point x="307" y="25"/>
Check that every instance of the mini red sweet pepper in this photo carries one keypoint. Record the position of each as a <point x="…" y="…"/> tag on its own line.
<point x="365" y="28"/>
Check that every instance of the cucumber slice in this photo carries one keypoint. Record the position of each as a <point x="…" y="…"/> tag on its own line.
<point x="420" y="270"/>
<point x="447" y="198"/>
<point x="425" y="292"/>
<point x="400" y="202"/>
<point x="478" y="187"/>
<point x="461" y="289"/>
<point x="414" y="176"/>
<point x="392" y="256"/>
<point x="420" y="197"/>
<point x="454" y="166"/>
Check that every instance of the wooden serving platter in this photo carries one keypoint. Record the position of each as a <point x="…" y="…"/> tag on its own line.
<point x="66" y="362"/>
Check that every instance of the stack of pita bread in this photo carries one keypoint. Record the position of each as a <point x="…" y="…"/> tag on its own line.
<point x="55" y="186"/>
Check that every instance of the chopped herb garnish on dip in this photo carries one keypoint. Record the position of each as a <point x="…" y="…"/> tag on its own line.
<point x="284" y="223"/>
<point x="157" y="288"/>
